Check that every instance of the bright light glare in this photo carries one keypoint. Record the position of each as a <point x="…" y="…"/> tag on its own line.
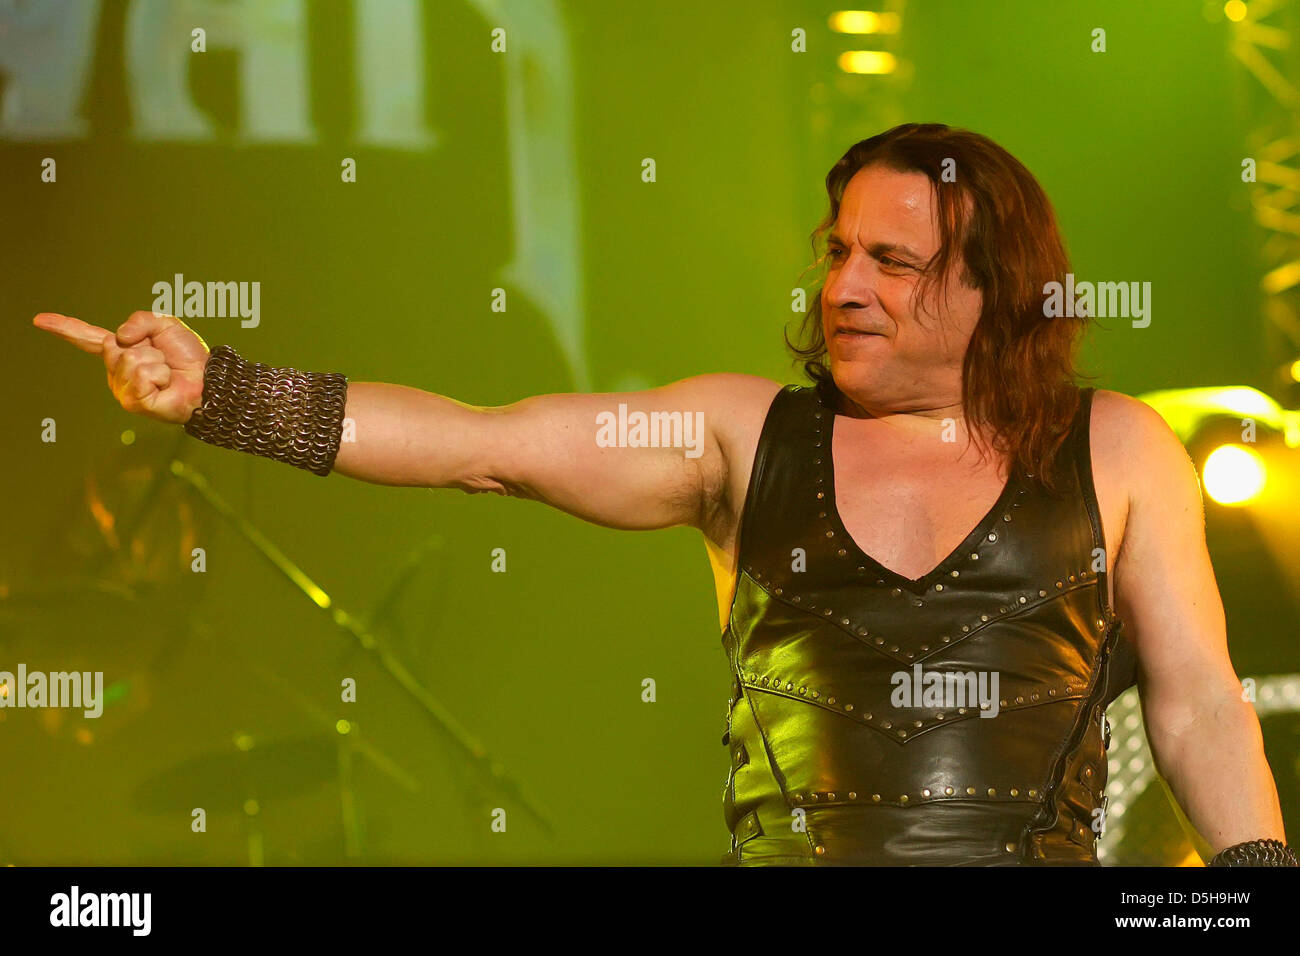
<point x="1233" y="475"/>
<point x="864" y="21"/>
<point x="867" y="61"/>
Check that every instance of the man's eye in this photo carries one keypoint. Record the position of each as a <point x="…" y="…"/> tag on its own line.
<point x="835" y="252"/>
<point x="889" y="263"/>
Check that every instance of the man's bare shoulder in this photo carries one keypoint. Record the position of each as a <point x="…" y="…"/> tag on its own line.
<point x="1135" y="446"/>
<point x="731" y="388"/>
<point x="1130" y="425"/>
<point x="734" y="405"/>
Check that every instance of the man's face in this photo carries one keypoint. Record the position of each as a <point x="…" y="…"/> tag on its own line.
<point x="888" y="353"/>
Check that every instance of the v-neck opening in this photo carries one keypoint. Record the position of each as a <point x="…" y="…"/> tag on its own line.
<point x="918" y="585"/>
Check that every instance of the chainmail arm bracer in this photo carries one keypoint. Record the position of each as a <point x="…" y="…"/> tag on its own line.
<point x="280" y="413"/>
<point x="1256" y="853"/>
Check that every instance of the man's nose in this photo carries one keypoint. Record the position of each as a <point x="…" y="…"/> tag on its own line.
<point x="853" y="284"/>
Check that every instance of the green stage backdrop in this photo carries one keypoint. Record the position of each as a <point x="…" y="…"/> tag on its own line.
<point x="479" y="169"/>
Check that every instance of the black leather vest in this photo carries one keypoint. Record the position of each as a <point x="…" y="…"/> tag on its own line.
<point x="829" y="763"/>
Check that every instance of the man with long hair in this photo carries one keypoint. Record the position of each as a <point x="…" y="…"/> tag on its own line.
<point x="936" y="565"/>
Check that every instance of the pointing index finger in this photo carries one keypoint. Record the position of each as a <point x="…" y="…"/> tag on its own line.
<point x="87" y="337"/>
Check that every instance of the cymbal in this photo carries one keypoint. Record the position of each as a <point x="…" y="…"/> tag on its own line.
<point x="221" y="781"/>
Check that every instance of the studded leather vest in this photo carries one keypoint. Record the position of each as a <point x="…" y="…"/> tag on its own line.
<point x="846" y="748"/>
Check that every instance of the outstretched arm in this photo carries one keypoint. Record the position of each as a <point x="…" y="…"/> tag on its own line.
<point x="545" y="447"/>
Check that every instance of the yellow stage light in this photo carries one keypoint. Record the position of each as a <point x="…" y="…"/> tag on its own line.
<point x="867" y="61"/>
<point x="1235" y="10"/>
<point x="864" y="21"/>
<point x="1233" y="475"/>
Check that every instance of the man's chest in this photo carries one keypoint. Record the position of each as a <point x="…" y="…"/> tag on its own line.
<point x="910" y="509"/>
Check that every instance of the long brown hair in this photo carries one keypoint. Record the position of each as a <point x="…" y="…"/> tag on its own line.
<point x="1018" y="375"/>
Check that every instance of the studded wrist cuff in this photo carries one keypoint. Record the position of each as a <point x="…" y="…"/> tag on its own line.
<point x="1256" y="853"/>
<point x="279" y="413"/>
